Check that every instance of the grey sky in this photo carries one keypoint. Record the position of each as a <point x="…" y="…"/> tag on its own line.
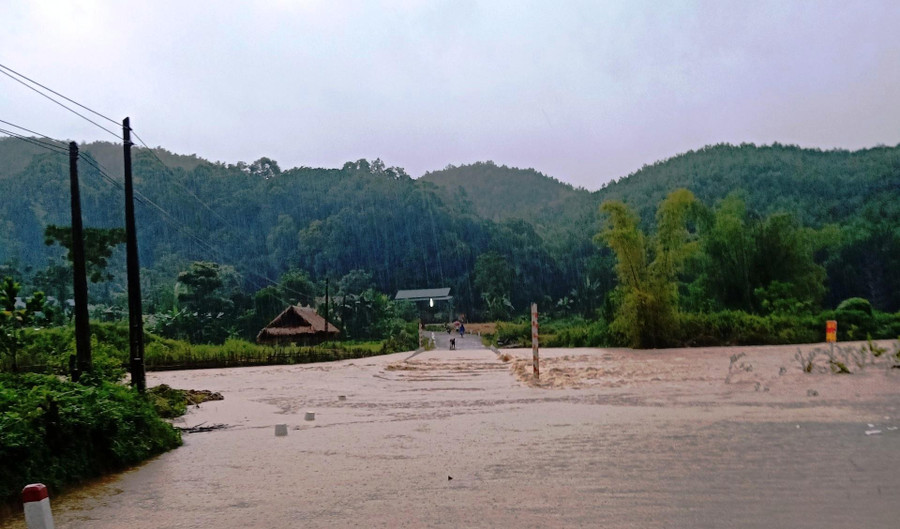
<point x="582" y="91"/>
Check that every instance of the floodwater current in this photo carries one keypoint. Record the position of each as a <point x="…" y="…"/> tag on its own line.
<point x="456" y="439"/>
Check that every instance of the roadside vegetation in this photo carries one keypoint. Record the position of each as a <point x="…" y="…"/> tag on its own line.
<point x="58" y="432"/>
<point x="772" y="228"/>
<point x="707" y="276"/>
<point x="48" y="350"/>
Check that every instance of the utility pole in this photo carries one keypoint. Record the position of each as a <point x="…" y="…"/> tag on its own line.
<point x="135" y="310"/>
<point x="82" y="323"/>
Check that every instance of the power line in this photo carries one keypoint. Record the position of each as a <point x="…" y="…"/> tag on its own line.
<point x="56" y="149"/>
<point x="60" y="95"/>
<point x="172" y="221"/>
<point x="181" y="227"/>
<point x="82" y="116"/>
<point x="6" y="70"/>
<point x="179" y="184"/>
<point x="143" y="200"/>
<point x="100" y="170"/>
<point x="227" y="223"/>
<point x="140" y="197"/>
<point x="29" y="130"/>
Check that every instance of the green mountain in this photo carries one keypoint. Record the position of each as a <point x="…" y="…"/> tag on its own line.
<point x="856" y="191"/>
<point x="819" y="187"/>
<point x="497" y="192"/>
<point x="431" y="232"/>
<point x="564" y="218"/>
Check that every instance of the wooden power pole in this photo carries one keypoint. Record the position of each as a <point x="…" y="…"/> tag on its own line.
<point x="135" y="310"/>
<point x="82" y="323"/>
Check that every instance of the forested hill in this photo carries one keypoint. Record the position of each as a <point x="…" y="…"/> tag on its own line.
<point x="16" y="155"/>
<point x="816" y="186"/>
<point x="263" y="222"/>
<point x="432" y="231"/>
<point x="498" y="192"/>
<point x="565" y="217"/>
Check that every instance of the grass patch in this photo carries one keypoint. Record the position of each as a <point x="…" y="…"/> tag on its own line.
<point x="48" y="351"/>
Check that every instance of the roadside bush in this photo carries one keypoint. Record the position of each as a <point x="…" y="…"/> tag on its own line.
<point x="59" y="433"/>
<point x="741" y="328"/>
<point x="48" y="350"/>
<point x="576" y="333"/>
<point x="167" y="401"/>
<point x="514" y="334"/>
<point x="855" y="304"/>
<point x="569" y="332"/>
<point x="887" y="325"/>
<point x="856" y="319"/>
<point x="403" y="336"/>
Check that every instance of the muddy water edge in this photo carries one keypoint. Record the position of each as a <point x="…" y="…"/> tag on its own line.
<point x="454" y="438"/>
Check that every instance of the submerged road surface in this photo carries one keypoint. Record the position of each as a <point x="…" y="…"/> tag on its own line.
<point x="611" y="438"/>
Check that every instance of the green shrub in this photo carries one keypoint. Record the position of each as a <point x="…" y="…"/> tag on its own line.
<point x="857" y="304"/>
<point x="403" y="337"/>
<point x="576" y="333"/>
<point x="514" y="334"/>
<point x="167" y="401"/>
<point x="887" y="325"/>
<point x="741" y="328"/>
<point x="58" y="433"/>
<point x="856" y="319"/>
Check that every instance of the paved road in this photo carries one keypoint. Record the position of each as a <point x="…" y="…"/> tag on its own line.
<point x="466" y="341"/>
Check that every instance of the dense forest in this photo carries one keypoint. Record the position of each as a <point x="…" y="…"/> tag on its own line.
<point x="770" y="229"/>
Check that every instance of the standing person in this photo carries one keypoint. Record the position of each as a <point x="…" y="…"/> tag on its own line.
<point x="462" y="330"/>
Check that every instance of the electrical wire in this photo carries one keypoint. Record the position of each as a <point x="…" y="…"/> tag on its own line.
<point x="82" y="116"/>
<point x="139" y="197"/>
<point x="5" y="70"/>
<point x="183" y="228"/>
<point x="114" y="122"/>
<point x="29" y="130"/>
<point x="56" y="149"/>
<point x="180" y="185"/>
<point x="172" y="221"/>
<point x="225" y="221"/>
<point x="100" y="170"/>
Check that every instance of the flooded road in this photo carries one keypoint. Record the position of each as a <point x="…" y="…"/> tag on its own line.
<point x="617" y="438"/>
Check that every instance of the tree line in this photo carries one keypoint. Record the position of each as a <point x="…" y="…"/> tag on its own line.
<point x="765" y="230"/>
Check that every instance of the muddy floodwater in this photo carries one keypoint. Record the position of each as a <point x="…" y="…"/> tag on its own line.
<point x="465" y="438"/>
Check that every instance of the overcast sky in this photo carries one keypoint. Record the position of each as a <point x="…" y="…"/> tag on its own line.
<point x="581" y="91"/>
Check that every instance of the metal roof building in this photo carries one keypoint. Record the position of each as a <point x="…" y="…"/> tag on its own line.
<point x="432" y="304"/>
<point x="425" y="294"/>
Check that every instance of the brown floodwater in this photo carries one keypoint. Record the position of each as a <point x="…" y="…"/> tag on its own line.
<point x="608" y="438"/>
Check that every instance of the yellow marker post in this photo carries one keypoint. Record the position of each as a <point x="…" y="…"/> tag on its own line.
<point x="831" y="331"/>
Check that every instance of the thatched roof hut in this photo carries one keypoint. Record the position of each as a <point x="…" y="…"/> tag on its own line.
<point x="298" y="325"/>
